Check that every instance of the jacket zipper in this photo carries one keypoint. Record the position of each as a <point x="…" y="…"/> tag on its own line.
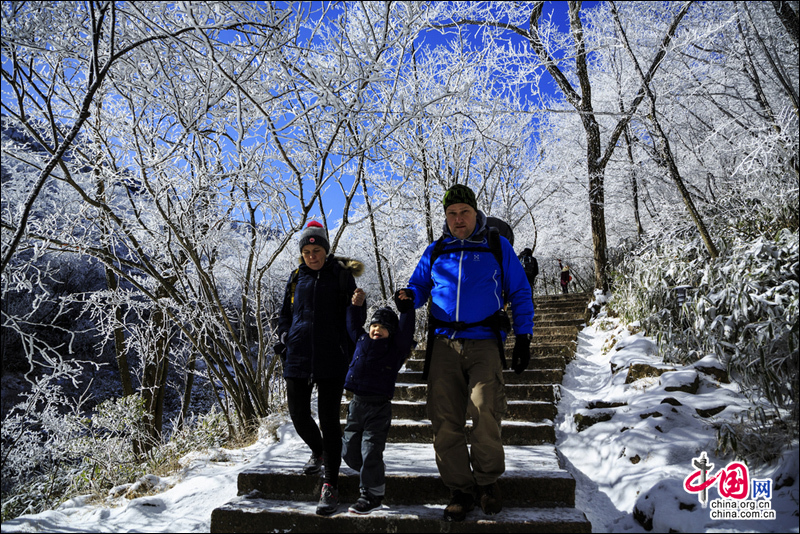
<point x="313" y="327"/>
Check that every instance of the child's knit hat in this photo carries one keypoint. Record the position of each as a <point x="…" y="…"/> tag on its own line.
<point x="386" y="318"/>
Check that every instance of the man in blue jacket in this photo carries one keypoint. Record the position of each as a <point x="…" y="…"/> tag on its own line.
<point x="467" y="286"/>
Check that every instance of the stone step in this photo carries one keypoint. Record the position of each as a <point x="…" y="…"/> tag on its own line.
<point x="246" y="514"/>
<point x="562" y="298"/>
<point x="513" y="432"/>
<point x="517" y="411"/>
<point x="548" y="312"/>
<point x="543" y="356"/>
<point x="531" y="392"/>
<point x="533" y="478"/>
<point x="562" y="339"/>
<point x="529" y="376"/>
<point x="568" y="330"/>
<point x="557" y="320"/>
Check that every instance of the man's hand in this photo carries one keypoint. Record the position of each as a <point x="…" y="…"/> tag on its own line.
<point x="404" y="300"/>
<point x="521" y="356"/>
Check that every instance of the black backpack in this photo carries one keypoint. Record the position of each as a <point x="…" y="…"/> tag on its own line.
<point x="530" y="265"/>
<point x="502" y="227"/>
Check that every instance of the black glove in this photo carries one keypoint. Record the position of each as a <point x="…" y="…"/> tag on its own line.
<point x="280" y="351"/>
<point x="404" y="305"/>
<point x="521" y="356"/>
<point x="280" y="348"/>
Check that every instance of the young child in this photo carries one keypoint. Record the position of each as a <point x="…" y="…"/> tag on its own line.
<point x="373" y="371"/>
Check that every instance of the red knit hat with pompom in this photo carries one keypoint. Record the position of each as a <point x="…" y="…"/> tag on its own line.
<point x="314" y="234"/>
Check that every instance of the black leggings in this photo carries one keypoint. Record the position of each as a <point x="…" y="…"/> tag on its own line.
<point x="329" y="399"/>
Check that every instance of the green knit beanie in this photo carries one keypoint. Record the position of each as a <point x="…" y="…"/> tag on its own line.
<point x="460" y="194"/>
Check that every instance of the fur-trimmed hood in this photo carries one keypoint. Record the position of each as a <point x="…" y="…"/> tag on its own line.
<point x="355" y="267"/>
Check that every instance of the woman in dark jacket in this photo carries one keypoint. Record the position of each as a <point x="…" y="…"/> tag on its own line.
<point x="312" y="327"/>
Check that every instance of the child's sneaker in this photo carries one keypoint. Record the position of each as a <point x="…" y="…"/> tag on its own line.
<point x="366" y="503"/>
<point x="313" y="465"/>
<point x="328" y="500"/>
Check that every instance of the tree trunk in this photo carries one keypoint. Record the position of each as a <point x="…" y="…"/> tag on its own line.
<point x="187" y="390"/>
<point x="634" y="184"/>
<point x="672" y="167"/>
<point x="375" y="244"/>
<point x="119" y="339"/>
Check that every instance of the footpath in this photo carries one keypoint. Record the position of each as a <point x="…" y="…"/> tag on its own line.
<point x="538" y="493"/>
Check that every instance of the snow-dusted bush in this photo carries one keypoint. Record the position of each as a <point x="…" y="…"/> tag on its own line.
<point x="36" y="434"/>
<point x="51" y="452"/>
<point x="741" y="307"/>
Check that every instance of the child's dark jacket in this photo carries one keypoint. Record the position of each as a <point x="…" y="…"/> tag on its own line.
<point x="376" y="362"/>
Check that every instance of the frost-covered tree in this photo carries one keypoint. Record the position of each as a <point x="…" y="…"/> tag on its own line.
<point x="566" y="58"/>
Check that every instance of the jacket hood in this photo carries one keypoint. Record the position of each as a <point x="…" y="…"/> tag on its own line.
<point x="355" y="267"/>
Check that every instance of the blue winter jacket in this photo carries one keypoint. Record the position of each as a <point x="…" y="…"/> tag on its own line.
<point x="376" y="362"/>
<point x="317" y="344"/>
<point x="464" y="286"/>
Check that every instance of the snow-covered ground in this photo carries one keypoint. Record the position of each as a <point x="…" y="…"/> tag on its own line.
<point x="637" y="459"/>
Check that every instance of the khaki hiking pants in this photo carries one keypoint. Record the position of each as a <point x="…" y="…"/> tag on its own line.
<point x="466" y="378"/>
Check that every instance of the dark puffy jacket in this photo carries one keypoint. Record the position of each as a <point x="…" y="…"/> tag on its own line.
<point x="315" y="325"/>
<point x="376" y="362"/>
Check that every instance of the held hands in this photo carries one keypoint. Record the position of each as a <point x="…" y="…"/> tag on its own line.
<point x="358" y="297"/>
<point x="404" y="300"/>
<point x="521" y="356"/>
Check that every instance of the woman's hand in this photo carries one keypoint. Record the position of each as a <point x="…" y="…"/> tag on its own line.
<point x="358" y="297"/>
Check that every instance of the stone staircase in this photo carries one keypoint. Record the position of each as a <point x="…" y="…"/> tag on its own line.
<point x="538" y="495"/>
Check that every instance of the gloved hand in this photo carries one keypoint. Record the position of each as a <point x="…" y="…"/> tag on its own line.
<point x="404" y="304"/>
<point x="280" y="348"/>
<point x="521" y="356"/>
<point x="280" y="351"/>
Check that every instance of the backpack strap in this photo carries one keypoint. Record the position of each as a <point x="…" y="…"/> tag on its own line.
<point x="343" y="286"/>
<point x="497" y="249"/>
<point x="293" y="285"/>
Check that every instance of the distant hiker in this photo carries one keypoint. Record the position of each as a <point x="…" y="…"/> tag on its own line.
<point x="467" y="283"/>
<point x="316" y="349"/>
<point x="378" y="357"/>
<point x="530" y="265"/>
<point x="566" y="278"/>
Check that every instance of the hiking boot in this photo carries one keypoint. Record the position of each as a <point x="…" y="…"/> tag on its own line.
<point x="313" y="465"/>
<point x="366" y="503"/>
<point x="460" y="505"/>
<point x="491" y="501"/>
<point x="328" y="500"/>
